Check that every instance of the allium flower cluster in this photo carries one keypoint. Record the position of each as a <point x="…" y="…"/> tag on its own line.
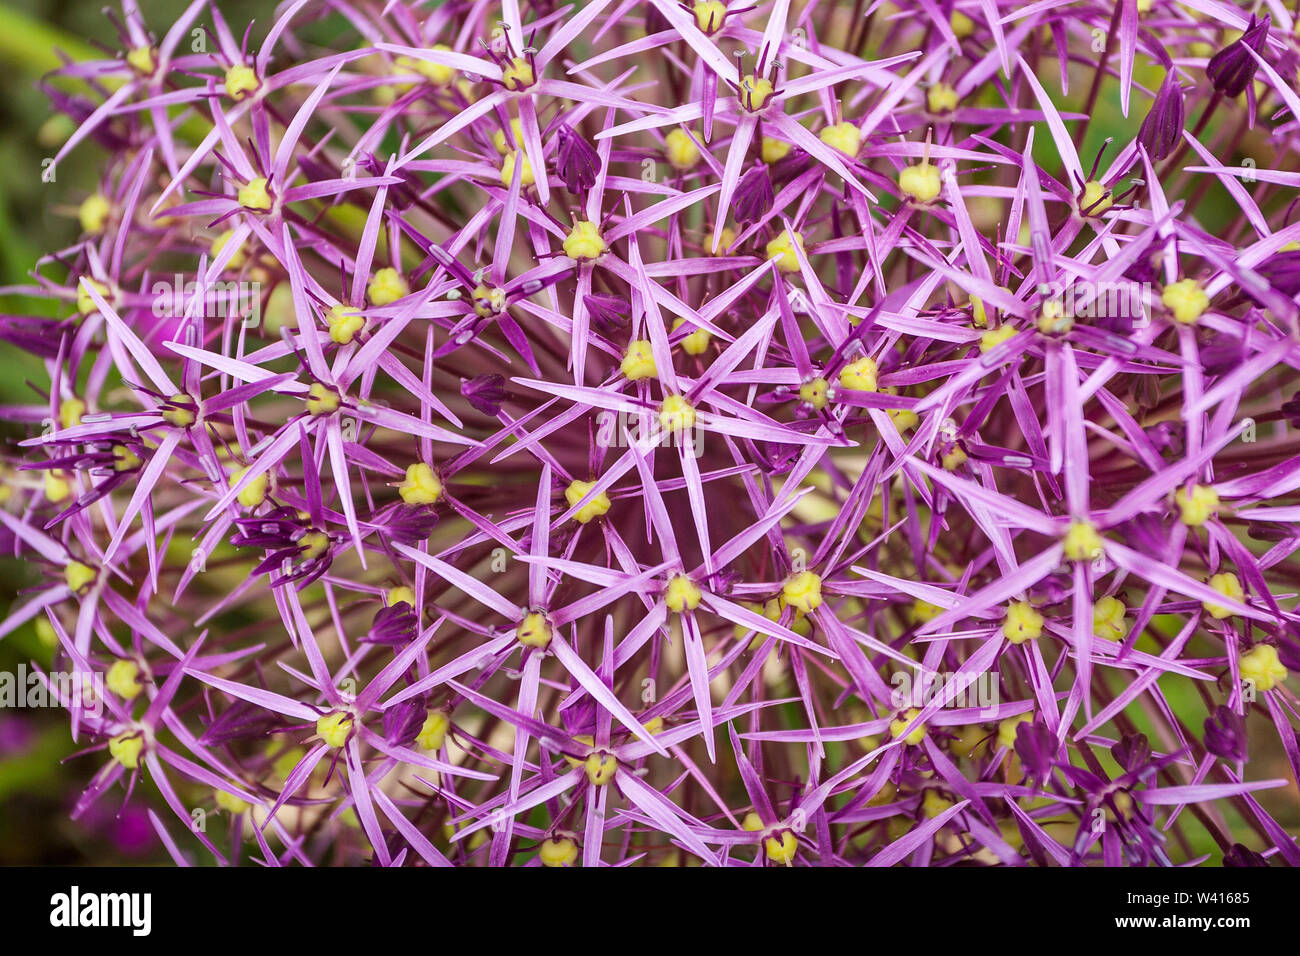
<point x="641" y="433"/>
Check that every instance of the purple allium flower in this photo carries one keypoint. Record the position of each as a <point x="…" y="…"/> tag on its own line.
<point x="394" y="625"/>
<point x="578" y="164"/>
<point x="1240" y="856"/>
<point x="1162" y="129"/>
<point x="486" y="393"/>
<point x="631" y="434"/>
<point x="1282" y="272"/>
<point x="1036" y="746"/>
<point x="1225" y="735"/>
<point x="607" y="313"/>
<point x="753" y="196"/>
<point x="1232" y="68"/>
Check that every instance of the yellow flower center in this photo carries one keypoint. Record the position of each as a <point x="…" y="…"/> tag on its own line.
<point x="1197" y="504"/>
<point x="126" y="748"/>
<point x="70" y="412"/>
<point x="755" y="92"/>
<point x="534" y="630"/>
<point x="676" y="414"/>
<point x="860" y="375"/>
<point x="1007" y="729"/>
<point x="285" y="762"/>
<point x="518" y="75"/>
<point x="782" y="249"/>
<point x="344" y="323"/>
<point x="995" y="337"/>
<point x="941" y="98"/>
<point x="815" y="393"/>
<point x="508" y="170"/>
<point x="904" y="418"/>
<point x="240" y="81"/>
<point x="487" y="301"/>
<point x="503" y="146"/>
<point x="681" y="149"/>
<point x="781" y="847"/>
<point x="1185" y="299"/>
<point x="79" y="576"/>
<point x="1052" y="319"/>
<point x="124" y="459"/>
<point x="600" y="768"/>
<point x="921" y="182"/>
<point x="899" y="724"/>
<point x="709" y="15"/>
<point x="255" y="195"/>
<point x="334" y="728"/>
<point x="772" y="609"/>
<point x="421" y="486"/>
<point x="682" y="594"/>
<point x="57" y="485"/>
<point x="123" y="679"/>
<point x="322" y="400"/>
<point x="696" y="342"/>
<point x="230" y="803"/>
<point x="1083" y="542"/>
<point x="558" y="852"/>
<point x="923" y="611"/>
<point x="314" y="544"/>
<point x="386" y="286"/>
<point x="85" y="304"/>
<point x="1095" y="199"/>
<point x="93" y="213"/>
<point x="1108" y="621"/>
<point x="400" y="595"/>
<point x="639" y="361"/>
<point x="1229" y="586"/>
<point x="954" y="458"/>
<point x="253" y="493"/>
<point x="584" y="241"/>
<point x="803" y="591"/>
<point x="594" y="508"/>
<point x="846" y="137"/>
<point x="142" y="60"/>
<point x="433" y="732"/>
<point x="1262" y="665"/>
<point x="237" y="258"/>
<point x="933" y="803"/>
<point x="45" y="633"/>
<point x="439" y="74"/>
<point x="962" y="25"/>
<point x="774" y="150"/>
<point x="1022" y="623"/>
